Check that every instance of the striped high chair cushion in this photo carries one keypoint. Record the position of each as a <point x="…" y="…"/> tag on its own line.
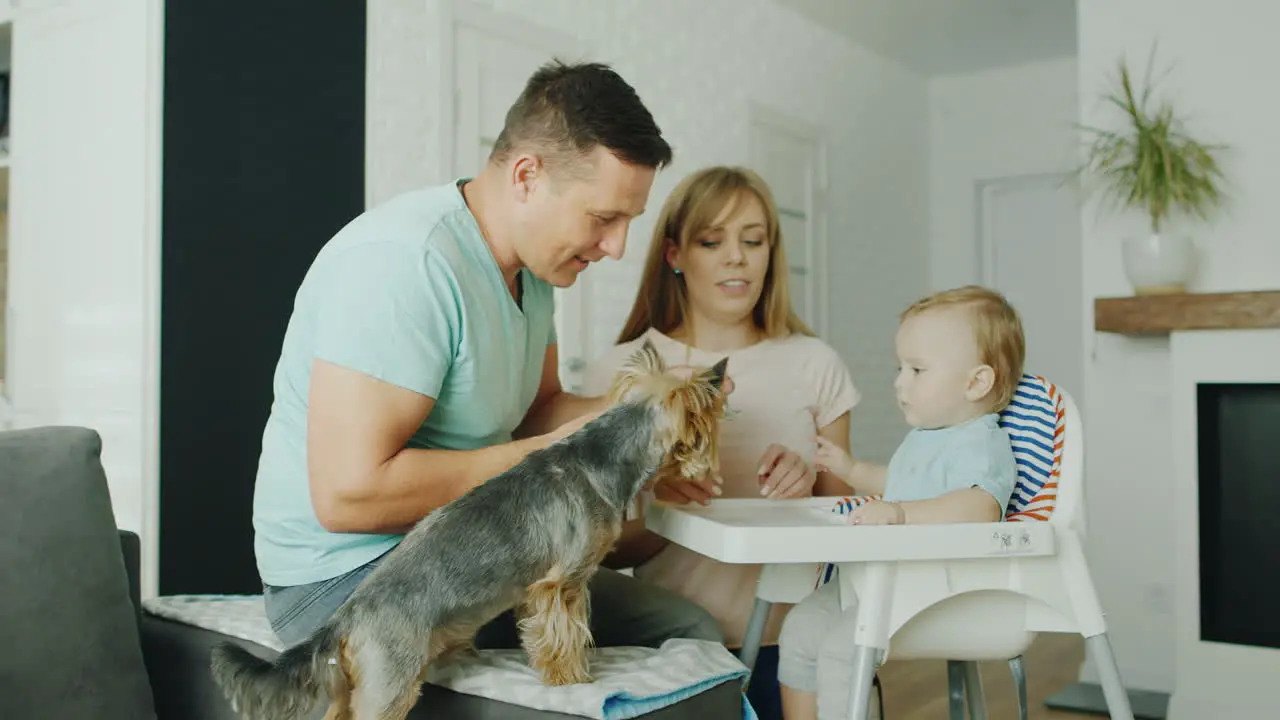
<point x="1036" y="422"/>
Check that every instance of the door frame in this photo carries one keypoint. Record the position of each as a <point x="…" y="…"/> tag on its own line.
<point x="985" y="190"/>
<point x="760" y="114"/>
<point x="456" y="14"/>
<point x="985" y="245"/>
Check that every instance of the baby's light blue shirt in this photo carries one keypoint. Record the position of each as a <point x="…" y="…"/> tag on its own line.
<point x="931" y="463"/>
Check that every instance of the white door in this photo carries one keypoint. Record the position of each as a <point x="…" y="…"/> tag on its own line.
<point x="1029" y="239"/>
<point x="493" y="59"/>
<point x="83" y="199"/>
<point x="788" y="155"/>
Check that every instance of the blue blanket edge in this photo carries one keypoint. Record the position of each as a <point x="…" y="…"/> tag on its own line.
<point x="623" y="705"/>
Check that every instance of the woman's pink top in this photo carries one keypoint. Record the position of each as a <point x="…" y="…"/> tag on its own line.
<point x="785" y="390"/>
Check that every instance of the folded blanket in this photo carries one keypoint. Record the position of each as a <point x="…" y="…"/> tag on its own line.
<point x="629" y="681"/>
<point x="240" y="616"/>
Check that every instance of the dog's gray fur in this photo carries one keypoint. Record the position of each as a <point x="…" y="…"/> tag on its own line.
<point x="462" y="566"/>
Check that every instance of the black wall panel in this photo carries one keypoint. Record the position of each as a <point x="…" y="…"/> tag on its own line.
<point x="263" y="162"/>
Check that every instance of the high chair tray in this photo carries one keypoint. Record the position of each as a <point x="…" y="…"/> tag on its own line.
<point x="807" y="531"/>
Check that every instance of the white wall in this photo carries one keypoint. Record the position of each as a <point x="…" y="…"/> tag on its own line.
<point x="1223" y="52"/>
<point x="697" y="75"/>
<point x="987" y="126"/>
<point x="82" y="250"/>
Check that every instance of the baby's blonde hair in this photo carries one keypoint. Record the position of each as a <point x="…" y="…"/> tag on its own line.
<point x="997" y="330"/>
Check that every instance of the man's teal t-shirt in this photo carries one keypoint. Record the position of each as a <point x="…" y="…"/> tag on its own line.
<point x="410" y="294"/>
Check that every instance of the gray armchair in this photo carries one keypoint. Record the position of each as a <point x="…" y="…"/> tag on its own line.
<point x="69" y="611"/>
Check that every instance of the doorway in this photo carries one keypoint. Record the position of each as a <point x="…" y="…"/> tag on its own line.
<point x="1029" y="249"/>
<point x="790" y="156"/>
<point x="493" y="57"/>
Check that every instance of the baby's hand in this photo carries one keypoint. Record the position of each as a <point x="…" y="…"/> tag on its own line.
<point x="878" y="512"/>
<point x="833" y="459"/>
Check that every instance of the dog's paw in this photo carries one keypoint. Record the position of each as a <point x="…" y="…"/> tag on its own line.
<point x="557" y="676"/>
<point x="563" y="671"/>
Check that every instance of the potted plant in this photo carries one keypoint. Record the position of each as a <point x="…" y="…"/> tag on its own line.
<point x="1153" y="166"/>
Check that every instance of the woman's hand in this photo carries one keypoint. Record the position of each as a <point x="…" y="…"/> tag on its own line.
<point x="784" y="474"/>
<point x="680" y="490"/>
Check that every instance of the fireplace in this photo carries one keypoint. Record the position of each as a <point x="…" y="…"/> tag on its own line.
<point x="1238" y="444"/>
<point x="1225" y="447"/>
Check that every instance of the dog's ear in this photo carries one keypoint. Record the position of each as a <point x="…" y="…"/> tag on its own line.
<point x="646" y="360"/>
<point x="714" y="375"/>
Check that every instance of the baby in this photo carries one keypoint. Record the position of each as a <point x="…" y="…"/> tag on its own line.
<point x="960" y="355"/>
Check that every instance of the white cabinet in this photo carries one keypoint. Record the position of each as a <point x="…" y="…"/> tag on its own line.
<point x="83" y="217"/>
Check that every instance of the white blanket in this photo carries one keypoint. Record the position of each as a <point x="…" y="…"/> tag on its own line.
<point x="629" y="681"/>
<point x="240" y="616"/>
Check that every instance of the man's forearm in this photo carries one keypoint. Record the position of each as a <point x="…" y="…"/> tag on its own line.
<point x="636" y="546"/>
<point x="958" y="506"/>
<point x="414" y="482"/>
<point x="556" y="410"/>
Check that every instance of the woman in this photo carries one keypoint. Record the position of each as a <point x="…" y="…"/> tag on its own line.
<point x="715" y="285"/>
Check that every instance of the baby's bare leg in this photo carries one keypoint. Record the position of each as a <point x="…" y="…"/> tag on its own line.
<point x="803" y="634"/>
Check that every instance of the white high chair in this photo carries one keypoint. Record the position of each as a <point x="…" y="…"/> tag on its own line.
<point x="962" y="593"/>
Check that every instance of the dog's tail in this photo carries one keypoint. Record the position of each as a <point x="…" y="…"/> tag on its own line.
<point x="286" y="688"/>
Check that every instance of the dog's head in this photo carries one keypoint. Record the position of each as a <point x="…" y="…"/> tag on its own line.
<point x="688" y="409"/>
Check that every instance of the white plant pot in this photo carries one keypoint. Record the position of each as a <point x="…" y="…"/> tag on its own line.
<point x="1159" y="263"/>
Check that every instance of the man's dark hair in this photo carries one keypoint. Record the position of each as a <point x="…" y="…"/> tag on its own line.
<point x="566" y="110"/>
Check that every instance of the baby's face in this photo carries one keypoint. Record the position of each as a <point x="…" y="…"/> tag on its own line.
<point x="938" y="366"/>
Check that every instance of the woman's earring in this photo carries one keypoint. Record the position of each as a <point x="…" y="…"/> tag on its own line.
<point x="675" y="270"/>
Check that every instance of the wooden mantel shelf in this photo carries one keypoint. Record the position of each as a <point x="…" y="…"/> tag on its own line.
<point x="1162" y="314"/>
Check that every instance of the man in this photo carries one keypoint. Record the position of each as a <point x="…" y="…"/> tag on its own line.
<point x="420" y="359"/>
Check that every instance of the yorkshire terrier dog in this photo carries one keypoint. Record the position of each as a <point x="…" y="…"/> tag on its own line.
<point x="530" y="538"/>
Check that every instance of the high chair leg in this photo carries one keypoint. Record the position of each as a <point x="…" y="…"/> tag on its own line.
<point x="755" y="633"/>
<point x="955" y="689"/>
<point x="973" y="691"/>
<point x="864" y="670"/>
<point x="879" y="690"/>
<point x="1019" y="670"/>
<point x="1099" y="647"/>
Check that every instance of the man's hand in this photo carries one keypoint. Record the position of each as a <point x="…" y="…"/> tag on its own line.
<point x="571" y="427"/>
<point x="784" y="474"/>
<point x="878" y="512"/>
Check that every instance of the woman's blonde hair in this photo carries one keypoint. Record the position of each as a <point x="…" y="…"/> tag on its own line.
<point x="662" y="302"/>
